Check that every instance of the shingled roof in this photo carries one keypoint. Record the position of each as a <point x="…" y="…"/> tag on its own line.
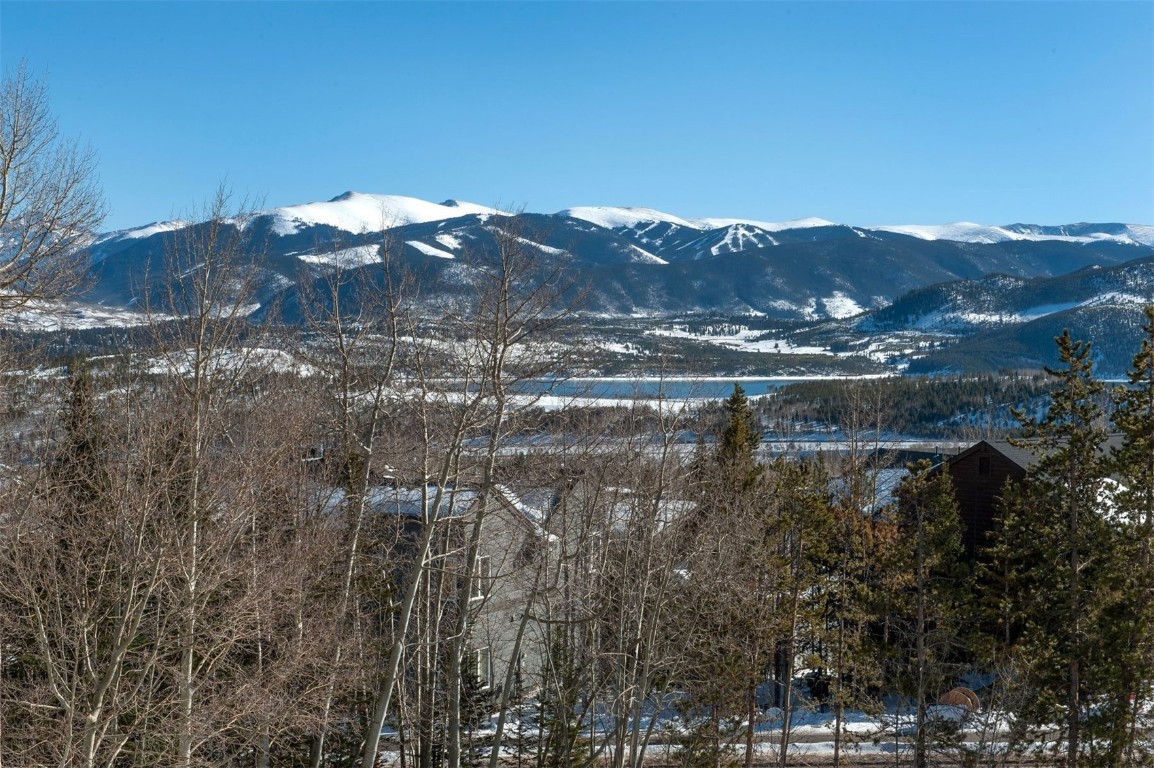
<point x="1026" y="457"/>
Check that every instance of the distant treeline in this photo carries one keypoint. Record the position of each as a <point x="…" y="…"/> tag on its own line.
<point x="943" y="406"/>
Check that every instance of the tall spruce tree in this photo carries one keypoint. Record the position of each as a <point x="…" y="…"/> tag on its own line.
<point x="849" y="656"/>
<point x="1062" y="562"/>
<point x="80" y="467"/>
<point x="730" y="609"/>
<point x="1133" y="465"/>
<point x="807" y="530"/>
<point x="738" y="442"/>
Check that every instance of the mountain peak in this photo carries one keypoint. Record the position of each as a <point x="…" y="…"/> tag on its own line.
<point x="614" y="217"/>
<point x="358" y="212"/>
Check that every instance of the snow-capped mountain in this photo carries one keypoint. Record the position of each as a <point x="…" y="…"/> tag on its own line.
<point x="358" y="213"/>
<point x="977" y="296"/>
<point x="355" y="213"/>
<point x="634" y="260"/>
<point x="968" y="232"/>
<point x="1003" y="301"/>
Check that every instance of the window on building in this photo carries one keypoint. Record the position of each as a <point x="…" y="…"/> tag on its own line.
<point x="983" y="465"/>
<point x="484" y="667"/>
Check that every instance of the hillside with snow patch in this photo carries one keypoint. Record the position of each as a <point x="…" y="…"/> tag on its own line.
<point x="871" y="284"/>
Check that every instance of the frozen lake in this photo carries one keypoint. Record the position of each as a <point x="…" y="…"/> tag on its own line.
<point x="674" y="388"/>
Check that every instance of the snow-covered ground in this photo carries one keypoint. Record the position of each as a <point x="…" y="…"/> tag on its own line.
<point x="743" y="339"/>
<point x="70" y="316"/>
<point x="841" y="306"/>
<point x="255" y="359"/>
<point x="811" y="733"/>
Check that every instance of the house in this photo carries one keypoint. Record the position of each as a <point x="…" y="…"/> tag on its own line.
<point x="503" y="555"/>
<point x="980" y="473"/>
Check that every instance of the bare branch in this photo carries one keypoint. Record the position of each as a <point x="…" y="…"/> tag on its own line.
<point x="50" y="204"/>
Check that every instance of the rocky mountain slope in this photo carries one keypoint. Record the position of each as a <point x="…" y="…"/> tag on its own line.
<point x="636" y="261"/>
<point x="957" y="296"/>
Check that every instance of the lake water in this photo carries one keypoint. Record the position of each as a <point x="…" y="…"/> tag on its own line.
<point x="649" y="389"/>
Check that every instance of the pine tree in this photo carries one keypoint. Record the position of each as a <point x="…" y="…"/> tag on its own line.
<point x="850" y="601"/>
<point x="1063" y="562"/>
<point x="729" y="611"/>
<point x="738" y="442"/>
<point x="80" y="466"/>
<point x="807" y="530"/>
<point x="1133" y="465"/>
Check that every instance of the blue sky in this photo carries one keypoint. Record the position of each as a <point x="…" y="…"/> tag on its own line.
<point x="862" y="112"/>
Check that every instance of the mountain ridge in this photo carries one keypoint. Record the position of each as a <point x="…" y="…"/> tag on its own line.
<point x="632" y="262"/>
<point x="638" y="260"/>
<point x="359" y="213"/>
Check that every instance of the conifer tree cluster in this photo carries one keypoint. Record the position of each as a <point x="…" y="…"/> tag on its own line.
<point x="1069" y="574"/>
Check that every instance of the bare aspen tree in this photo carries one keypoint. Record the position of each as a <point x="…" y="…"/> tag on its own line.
<point x="507" y="336"/>
<point x="50" y="204"/>
<point x="359" y="332"/>
<point x="82" y="570"/>
<point x="616" y="608"/>
<point x="233" y="518"/>
<point x="492" y="335"/>
<point x="207" y="289"/>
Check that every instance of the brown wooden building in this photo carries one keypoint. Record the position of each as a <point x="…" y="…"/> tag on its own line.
<point x="979" y="474"/>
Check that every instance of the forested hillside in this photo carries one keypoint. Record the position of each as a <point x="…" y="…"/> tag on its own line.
<point x="966" y="407"/>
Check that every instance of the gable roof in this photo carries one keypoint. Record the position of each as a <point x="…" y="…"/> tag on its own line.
<point x="1024" y="456"/>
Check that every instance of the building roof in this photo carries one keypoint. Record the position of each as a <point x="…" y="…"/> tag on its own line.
<point x="1024" y="454"/>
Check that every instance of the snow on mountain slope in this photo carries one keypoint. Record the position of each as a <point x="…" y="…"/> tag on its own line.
<point x="632" y="218"/>
<point x="739" y="237"/>
<point x="968" y="232"/>
<point x="429" y="250"/>
<point x="755" y="233"/>
<point x="450" y="241"/>
<point x="642" y="256"/>
<point x="357" y="212"/>
<point x="768" y="226"/>
<point x="1140" y="234"/>
<point x="347" y="258"/>
<point x="615" y="218"/>
<point x="959" y="231"/>
<point x="841" y="306"/>
<point x="110" y="242"/>
<point x="148" y="230"/>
